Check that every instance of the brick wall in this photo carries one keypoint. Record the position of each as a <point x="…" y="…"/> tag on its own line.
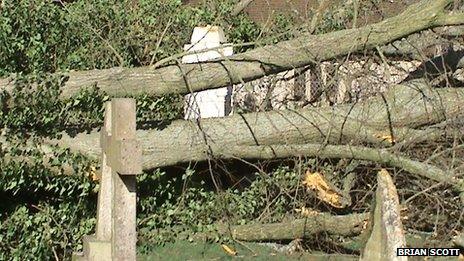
<point x="263" y="10"/>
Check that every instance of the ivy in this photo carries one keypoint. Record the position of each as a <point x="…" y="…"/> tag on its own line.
<point x="48" y="208"/>
<point x="47" y="36"/>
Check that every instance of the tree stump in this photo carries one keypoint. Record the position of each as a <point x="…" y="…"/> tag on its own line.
<point x="386" y="230"/>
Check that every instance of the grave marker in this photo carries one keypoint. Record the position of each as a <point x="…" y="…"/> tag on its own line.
<point x="116" y="236"/>
<point x="208" y="103"/>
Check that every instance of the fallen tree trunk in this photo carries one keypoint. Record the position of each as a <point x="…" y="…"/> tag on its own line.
<point x="409" y="106"/>
<point x="254" y="64"/>
<point x="347" y="225"/>
<point x="276" y="134"/>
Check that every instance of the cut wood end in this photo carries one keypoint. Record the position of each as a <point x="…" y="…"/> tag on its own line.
<point x="324" y="191"/>
<point x="385" y="137"/>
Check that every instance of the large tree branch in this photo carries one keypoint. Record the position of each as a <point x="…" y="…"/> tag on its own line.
<point x="309" y="49"/>
<point x="246" y="135"/>
<point x="409" y="106"/>
<point x="417" y="46"/>
<point x="347" y="225"/>
<point x="341" y="225"/>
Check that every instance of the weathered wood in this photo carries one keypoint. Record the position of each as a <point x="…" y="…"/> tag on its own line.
<point x="286" y="55"/>
<point x="386" y="233"/>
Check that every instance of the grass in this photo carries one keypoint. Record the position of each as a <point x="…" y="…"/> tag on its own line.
<point x="184" y="250"/>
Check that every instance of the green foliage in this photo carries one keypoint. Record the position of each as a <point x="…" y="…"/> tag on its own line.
<point x="174" y="206"/>
<point x="30" y="32"/>
<point x="40" y="231"/>
<point x="47" y="209"/>
<point x="26" y="170"/>
<point x="46" y="36"/>
<point x="34" y="107"/>
<point x="54" y="210"/>
<point x="41" y="179"/>
<point x="184" y="250"/>
<point x="38" y="108"/>
<point x="332" y="21"/>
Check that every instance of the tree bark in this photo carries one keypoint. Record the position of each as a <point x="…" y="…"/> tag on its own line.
<point x="380" y="156"/>
<point x="347" y="225"/>
<point x="286" y="55"/>
<point x="409" y="106"/>
<point x="417" y="46"/>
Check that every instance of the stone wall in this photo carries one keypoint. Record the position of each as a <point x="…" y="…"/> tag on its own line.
<point x="339" y="82"/>
<point x="327" y="83"/>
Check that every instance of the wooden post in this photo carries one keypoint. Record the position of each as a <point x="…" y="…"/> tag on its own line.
<point x="121" y="161"/>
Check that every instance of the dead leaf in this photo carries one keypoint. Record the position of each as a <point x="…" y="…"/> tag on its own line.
<point x="316" y="182"/>
<point x="307" y="212"/>
<point x="229" y="250"/>
<point x="365" y="224"/>
<point x="93" y="174"/>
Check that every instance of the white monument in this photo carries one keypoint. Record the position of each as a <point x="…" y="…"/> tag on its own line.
<point x="208" y="103"/>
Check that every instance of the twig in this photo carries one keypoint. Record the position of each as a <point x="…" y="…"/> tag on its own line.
<point x="159" y="41"/>
<point x="381" y="156"/>
<point x="240" y="6"/>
